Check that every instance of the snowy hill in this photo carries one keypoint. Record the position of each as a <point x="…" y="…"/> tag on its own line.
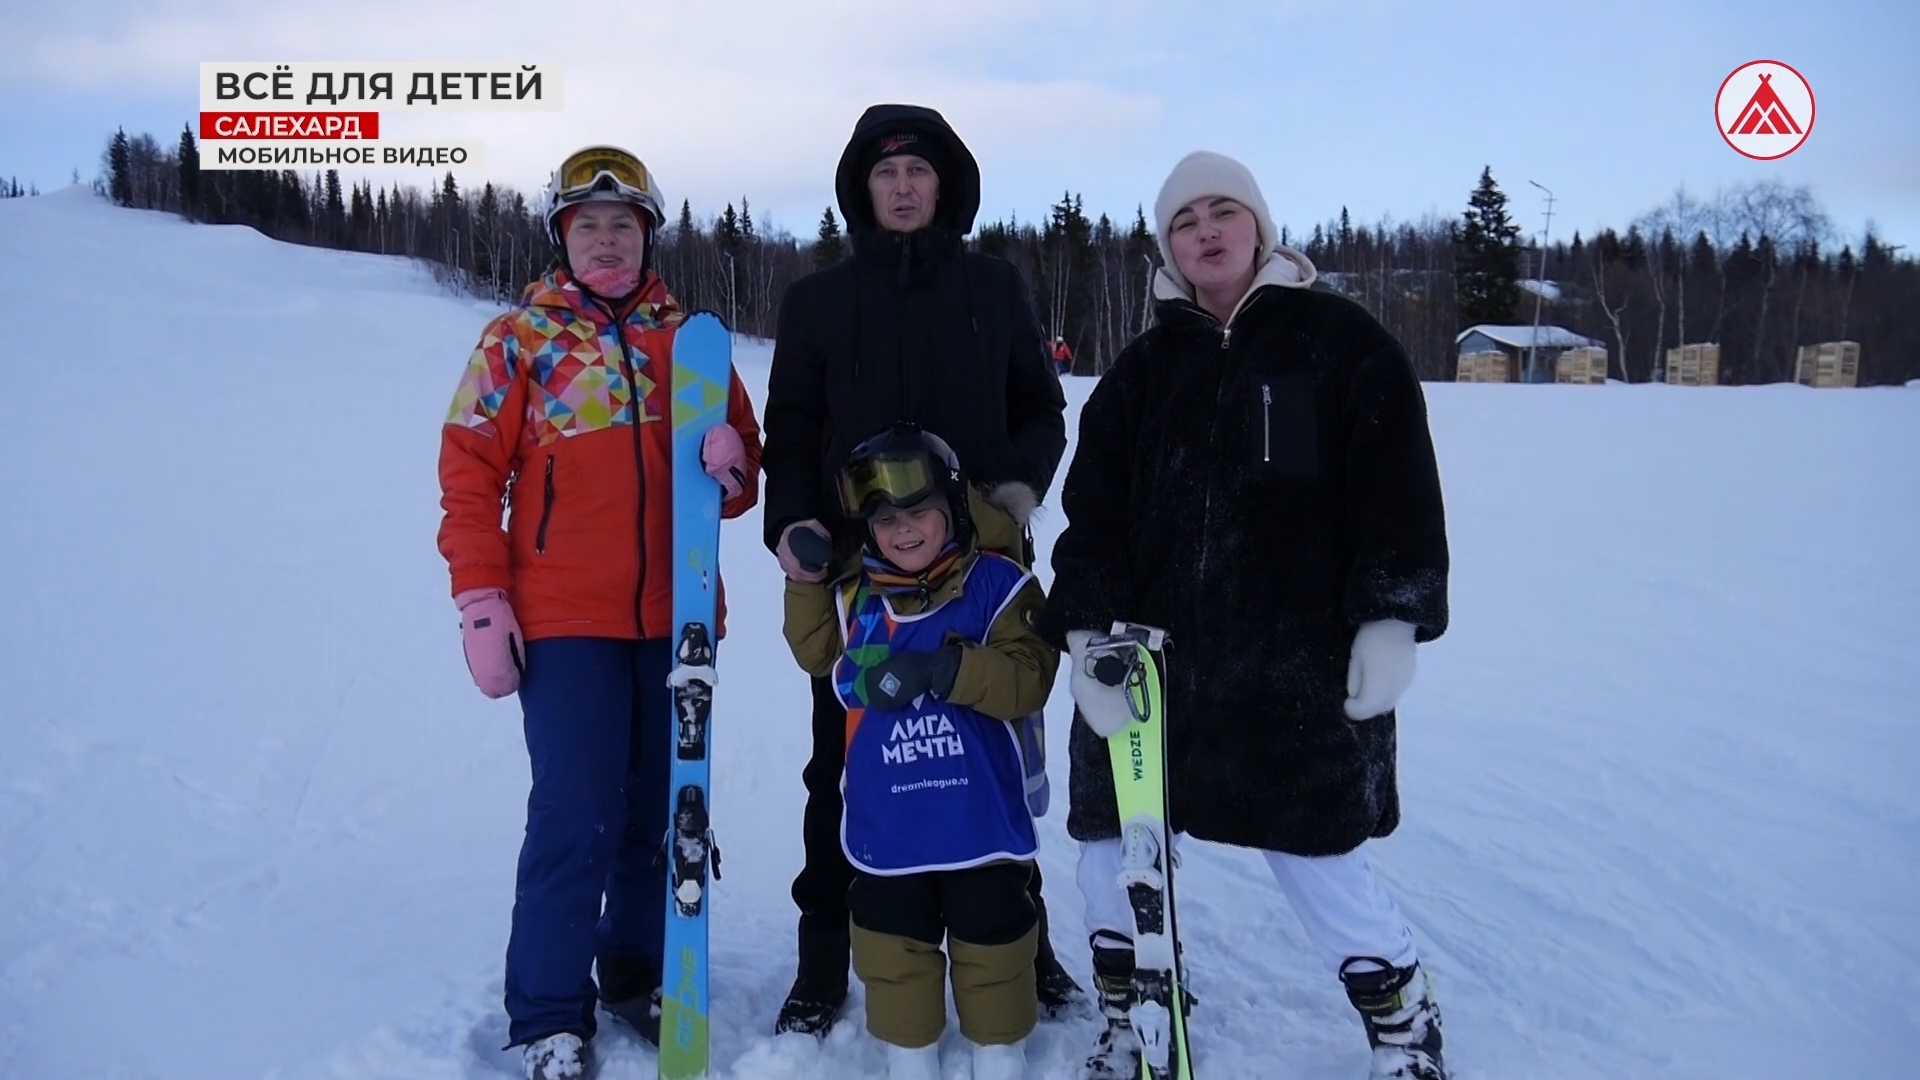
<point x="255" y="821"/>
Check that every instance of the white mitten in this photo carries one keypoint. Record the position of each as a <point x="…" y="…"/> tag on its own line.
<point x="1381" y="668"/>
<point x="1103" y="708"/>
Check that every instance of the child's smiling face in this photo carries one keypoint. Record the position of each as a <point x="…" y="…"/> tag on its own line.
<point x="911" y="539"/>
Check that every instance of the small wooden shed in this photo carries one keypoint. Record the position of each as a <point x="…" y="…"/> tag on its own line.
<point x="1545" y="344"/>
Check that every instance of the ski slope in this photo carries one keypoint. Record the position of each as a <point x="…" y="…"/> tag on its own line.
<point x="1660" y="810"/>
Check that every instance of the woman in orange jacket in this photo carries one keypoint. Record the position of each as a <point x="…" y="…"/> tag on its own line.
<point x="563" y="416"/>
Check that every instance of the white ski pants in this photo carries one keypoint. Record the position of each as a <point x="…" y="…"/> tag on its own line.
<point x="1338" y="898"/>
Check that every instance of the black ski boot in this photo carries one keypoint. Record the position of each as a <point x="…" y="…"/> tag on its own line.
<point x="1060" y="997"/>
<point x="1402" y="1020"/>
<point x="820" y="987"/>
<point x="1116" y="1055"/>
<point x="630" y="991"/>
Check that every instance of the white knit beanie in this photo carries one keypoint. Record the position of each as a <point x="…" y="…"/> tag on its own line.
<point x="1203" y="173"/>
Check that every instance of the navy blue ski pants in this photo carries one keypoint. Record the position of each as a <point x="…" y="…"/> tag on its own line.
<point x="598" y="716"/>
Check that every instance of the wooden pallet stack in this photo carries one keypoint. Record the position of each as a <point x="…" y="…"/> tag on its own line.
<point x="1587" y="366"/>
<point x="1831" y="363"/>
<point x="1694" y="365"/>
<point x="1493" y="366"/>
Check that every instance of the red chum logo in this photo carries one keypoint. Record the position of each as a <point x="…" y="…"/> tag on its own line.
<point x="1764" y="109"/>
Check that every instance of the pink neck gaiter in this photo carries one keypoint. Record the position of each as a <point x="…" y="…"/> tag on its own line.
<point x="611" y="282"/>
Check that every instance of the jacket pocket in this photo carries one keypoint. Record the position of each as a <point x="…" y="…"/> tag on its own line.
<point x="1286" y="427"/>
<point x="546" y="510"/>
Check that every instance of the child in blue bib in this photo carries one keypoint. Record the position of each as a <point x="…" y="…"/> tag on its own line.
<point x="931" y="646"/>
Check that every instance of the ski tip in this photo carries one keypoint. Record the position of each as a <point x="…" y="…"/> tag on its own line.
<point x="706" y="317"/>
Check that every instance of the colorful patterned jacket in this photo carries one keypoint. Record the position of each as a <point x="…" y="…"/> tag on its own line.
<point x="544" y="423"/>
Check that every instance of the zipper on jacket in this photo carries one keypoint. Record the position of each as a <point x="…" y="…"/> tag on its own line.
<point x="1266" y="422"/>
<point x="546" y="510"/>
<point x="1226" y="337"/>
<point x="635" y="406"/>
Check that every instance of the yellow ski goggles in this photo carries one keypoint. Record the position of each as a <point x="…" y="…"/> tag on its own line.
<point x="601" y="172"/>
<point x="902" y="481"/>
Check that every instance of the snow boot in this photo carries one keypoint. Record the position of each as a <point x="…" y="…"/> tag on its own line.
<point x="630" y="990"/>
<point x="820" y="986"/>
<point x="1116" y="1055"/>
<point x="1060" y="997"/>
<point x="1402" y="1020"/>
<point x="922" y="1063"/>
<point x="556" y="1057"/>
<point x="1004" y="1062"/>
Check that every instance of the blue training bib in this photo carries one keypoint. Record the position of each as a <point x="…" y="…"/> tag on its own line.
<point x="934" y="785"/>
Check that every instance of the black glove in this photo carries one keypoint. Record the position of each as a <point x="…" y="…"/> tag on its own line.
<point x="902" y="677"/>
<point x="811" y="547"/>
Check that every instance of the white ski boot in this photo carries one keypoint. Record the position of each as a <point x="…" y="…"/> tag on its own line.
<point x="1005" y="1062"/>
<point x="1402" y="1019"/>
<point x="556" y="1057"/>
<point x="921" y="1063"/>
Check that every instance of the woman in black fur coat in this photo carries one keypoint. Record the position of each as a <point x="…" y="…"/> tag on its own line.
<point x="1255" y="476"/>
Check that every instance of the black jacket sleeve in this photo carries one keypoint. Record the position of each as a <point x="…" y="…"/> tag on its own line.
<point x="794" y="421"/>
<point x="1092" y="580"/>
<point x="1036" y="405"/>
<point x="1395" y="520"/>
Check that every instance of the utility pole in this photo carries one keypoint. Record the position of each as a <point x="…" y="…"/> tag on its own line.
<point x="1539" y="283"/>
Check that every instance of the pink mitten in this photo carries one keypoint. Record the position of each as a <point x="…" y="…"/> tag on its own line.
<point x="724" y="457"/>
<point x="491" y="637"/>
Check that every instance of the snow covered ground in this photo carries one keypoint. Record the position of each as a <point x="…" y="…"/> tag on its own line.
<point x="255" y="821"/>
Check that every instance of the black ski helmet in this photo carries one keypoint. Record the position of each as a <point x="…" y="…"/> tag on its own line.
<point x="903" y="466"/>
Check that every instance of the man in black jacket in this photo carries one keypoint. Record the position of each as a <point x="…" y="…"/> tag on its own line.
<point x="911" y="327"/>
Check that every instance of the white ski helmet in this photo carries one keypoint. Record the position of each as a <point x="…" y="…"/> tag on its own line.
<point x="602" y="174"/>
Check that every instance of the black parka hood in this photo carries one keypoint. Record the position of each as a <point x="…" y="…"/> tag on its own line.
<point x="959" y="200"/>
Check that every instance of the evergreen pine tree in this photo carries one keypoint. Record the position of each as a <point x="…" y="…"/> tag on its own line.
<point x="189" y="155"/>
<point x="120" y="170"/>
<point x="334" y="231"/>
<point x="830" y="248"/>
<point x="995" y="240"/>
<point x="293" y="206"/>
<point x="359" y="216"/>
<point x="1486" y="260"/>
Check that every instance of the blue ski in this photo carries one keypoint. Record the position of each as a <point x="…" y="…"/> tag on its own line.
<point x="702" y="375"/>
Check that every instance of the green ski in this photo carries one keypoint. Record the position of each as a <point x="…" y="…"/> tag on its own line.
<point x="1134" y="656"/>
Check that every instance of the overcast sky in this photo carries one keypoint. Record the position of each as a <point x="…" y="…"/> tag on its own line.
<point x="1389" y="107"/>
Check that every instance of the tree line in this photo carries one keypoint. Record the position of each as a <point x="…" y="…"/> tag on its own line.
<point x="1759" y="269"/>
